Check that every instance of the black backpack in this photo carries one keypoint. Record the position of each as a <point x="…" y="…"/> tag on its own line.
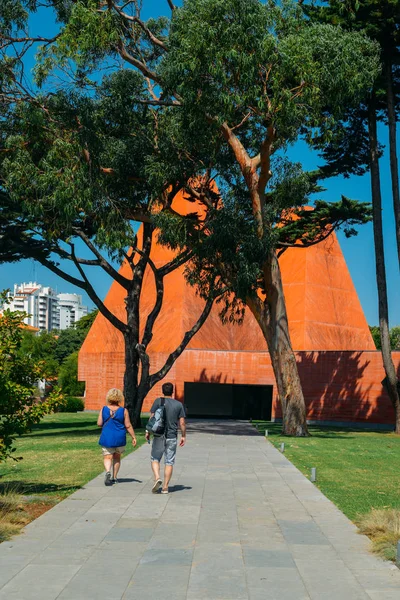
<point x="156" y="423"/>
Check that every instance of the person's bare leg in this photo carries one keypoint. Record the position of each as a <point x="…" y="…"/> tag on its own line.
<point x="155" y="465"/>
<point x="108" y="459"/>
<point x="117" y="464"/>
<point x="167" y="476"/>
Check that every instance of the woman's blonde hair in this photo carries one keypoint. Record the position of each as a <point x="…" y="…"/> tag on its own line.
<point x="114" y="395"/>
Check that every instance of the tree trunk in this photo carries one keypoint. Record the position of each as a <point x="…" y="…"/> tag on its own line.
<point x="142" y="392"/>
<point x="132" y="304"/>
<point x="272" y="317"/>
<point x="394" y="168"/>
<point x="391" y="377"/>
<point x="145" y="383"/>
<point x="273" y="322"/>
<point x="131" y="378"/>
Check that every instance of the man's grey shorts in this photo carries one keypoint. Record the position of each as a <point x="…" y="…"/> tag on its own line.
<point x="162" y="446"/>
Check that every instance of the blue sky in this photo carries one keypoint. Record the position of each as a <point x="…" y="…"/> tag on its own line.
<point x="358" y="251"/>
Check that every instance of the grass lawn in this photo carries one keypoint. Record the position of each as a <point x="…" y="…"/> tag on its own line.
<point x="59" y="456"/>
<point x="357" y="470"/>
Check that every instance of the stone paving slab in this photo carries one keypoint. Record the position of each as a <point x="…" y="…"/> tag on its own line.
<point x="240" y="523"/>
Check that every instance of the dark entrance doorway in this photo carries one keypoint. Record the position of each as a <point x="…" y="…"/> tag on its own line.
<point x="228" y="401"/>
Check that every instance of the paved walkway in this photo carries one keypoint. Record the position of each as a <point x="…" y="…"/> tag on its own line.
<point x="240" y="523"/>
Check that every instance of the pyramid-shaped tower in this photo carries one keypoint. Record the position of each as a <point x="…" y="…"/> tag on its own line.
<point x="324" y="313"/>
<point x="324" y="310"/>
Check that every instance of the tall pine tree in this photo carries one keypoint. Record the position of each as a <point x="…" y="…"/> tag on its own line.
<point x="355" y="147"/>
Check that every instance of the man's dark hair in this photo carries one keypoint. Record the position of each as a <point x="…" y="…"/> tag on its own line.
<point x="167" y="389"/>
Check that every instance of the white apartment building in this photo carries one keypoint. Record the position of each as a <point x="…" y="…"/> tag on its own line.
<point x="71" y="309"/>
<point x="46" y="309"/>
<point x="41" y="304"/>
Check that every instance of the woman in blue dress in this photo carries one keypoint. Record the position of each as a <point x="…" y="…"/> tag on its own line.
<point x="114" y="421"/>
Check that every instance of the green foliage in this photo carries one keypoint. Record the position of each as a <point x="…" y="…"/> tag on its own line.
<point x="87" y="38"/>
<point x="229" y="244"/>
<point x="84" y="324"/>
<point x="347" y="152"/>
<point x="303" y="227"/>
<point x="90" y="156"/>
<point x="394" y="336"/>
<point x="273" y="77"/>
<point x="299" y="77"/>
<point x="228" y="60"/>
<point x="41" y="347"/>
<point x="376" y="336"/>
<point x="68" y="376"/>
<point x="85" y="170"/>
<point x="53" y="348"/>
<point x="72" y="405"/>
<point x="377" y="18"/>
<point x="20" y="409"/>
<point x="69" y="341"/>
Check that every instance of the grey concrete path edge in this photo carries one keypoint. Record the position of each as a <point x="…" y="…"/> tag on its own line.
<point x="241" y="523"/>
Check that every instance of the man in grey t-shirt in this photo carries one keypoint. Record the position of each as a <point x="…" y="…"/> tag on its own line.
<point x="166" y="444"/>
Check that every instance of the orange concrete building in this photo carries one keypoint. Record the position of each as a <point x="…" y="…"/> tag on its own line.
<point x="226" y="369"/>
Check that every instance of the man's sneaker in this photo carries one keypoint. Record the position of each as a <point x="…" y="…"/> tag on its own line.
<point x="107" y="478"/>
<point x="156" y="486"/>
<point x="164" y="491"/>
<point x="115" y="480"/>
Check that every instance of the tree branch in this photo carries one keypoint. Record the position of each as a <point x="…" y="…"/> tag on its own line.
<point x="145" y="257"/>
<point x="178" y="261"/>
<point x="143" y="26"/>
<point x="20" y="40"/>
<point x="82" y="261"/>
<point x="201" y="197"/>
<point x="145" y="362"/>
<point x="139" y="217"/>
<point x="160" y="102"/>
<point x="239" y="150"/>
<point x="105" y="265"/>
<point x="148" y="330"/>
<point x="248" y="168"/>
<point x="185" y="341"/>
<point x="260" y="312"/>
<point x="159" y="275"/>
<point x="57" y="271"/>
<point x="285" y="245"/>
<point x="140" y="267"/>
<point x="136" y="63"/>
<point x="265" y="161"/>
<point x="242" y="122"/>
<point x="94" y="297"/>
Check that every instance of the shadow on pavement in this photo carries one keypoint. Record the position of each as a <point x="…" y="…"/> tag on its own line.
<point x="221" y="427"/>
<point x="128" y="480"/>
<point x="178" y="488"/>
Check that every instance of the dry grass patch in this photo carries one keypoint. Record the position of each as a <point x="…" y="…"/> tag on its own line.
<point x="17" y="510"/>
<point x="383" y="527"/>
<point x="12" y="514"/>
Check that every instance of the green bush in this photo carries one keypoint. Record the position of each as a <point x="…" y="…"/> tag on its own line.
<point x="72" y="404"/>
<point x="19" y="372"/>
<point x="68" y="376"/>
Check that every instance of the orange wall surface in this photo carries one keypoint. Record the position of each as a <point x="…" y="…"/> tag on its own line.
<point x="340" y="370"/>
<point x="338" y="386"/>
